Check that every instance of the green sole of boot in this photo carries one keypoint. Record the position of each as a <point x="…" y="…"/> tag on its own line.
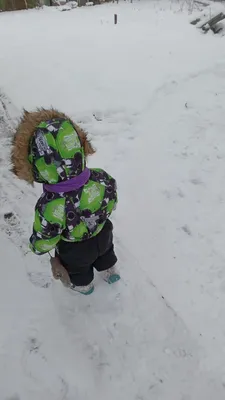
<point x="84" y="293"/>
<point x="113" y="278"/>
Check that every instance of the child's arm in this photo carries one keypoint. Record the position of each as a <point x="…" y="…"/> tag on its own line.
<point x="47" y="230"/>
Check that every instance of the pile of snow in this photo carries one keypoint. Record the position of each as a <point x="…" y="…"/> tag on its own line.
<point x="151" y="93"/>
<point x="70" y="5"/>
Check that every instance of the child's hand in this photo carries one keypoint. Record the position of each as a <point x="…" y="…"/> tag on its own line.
<point x="59" y="272"/>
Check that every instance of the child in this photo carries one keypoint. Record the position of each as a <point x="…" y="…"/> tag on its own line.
<point x="72" y="214"/>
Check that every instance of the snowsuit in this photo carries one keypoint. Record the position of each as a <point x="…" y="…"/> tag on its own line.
<point x="72" y="214"/>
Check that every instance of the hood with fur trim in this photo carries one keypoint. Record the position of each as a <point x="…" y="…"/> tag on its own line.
<point x="48" y="147"/>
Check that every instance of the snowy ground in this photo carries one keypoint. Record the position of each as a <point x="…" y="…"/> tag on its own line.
<point x="151" y="93"/>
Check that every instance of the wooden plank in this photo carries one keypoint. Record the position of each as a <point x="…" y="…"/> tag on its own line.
<point x="214" y="20"/>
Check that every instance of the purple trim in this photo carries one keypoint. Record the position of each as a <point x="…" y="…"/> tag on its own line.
<point x="71" y="184"/>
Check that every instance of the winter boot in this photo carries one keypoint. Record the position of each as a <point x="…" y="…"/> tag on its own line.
<point x="111" y="275"/>
<point x="86" y="290"/>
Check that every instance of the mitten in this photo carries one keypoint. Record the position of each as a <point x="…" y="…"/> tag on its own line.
<point x="59" y="272"/>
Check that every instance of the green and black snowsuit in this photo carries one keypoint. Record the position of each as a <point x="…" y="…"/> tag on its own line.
<point x="80" y="214"/>
<point x="53" y="153"/>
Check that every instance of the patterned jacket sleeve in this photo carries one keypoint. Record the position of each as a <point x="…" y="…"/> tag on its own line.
<point x="47" y="230"/>
<point x="114" y="195"/>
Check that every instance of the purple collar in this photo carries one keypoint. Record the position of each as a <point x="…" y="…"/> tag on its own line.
<point x="71" y="184"/>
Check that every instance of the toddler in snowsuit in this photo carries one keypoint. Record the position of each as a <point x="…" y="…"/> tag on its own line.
<point x="72" y="214"/>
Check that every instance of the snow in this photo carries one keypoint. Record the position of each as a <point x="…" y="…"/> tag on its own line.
<point x="63" y="346"/>
<point x="151" y="92"/>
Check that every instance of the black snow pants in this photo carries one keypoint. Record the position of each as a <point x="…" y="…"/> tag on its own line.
<point x="80" y="258"/>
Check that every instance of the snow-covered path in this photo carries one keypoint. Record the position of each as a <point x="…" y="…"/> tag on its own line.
<point x="55" y="345"/>
<point x="153" y="102"/>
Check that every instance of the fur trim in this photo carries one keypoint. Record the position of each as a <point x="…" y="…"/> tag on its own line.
<point x="21" y="167"/>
